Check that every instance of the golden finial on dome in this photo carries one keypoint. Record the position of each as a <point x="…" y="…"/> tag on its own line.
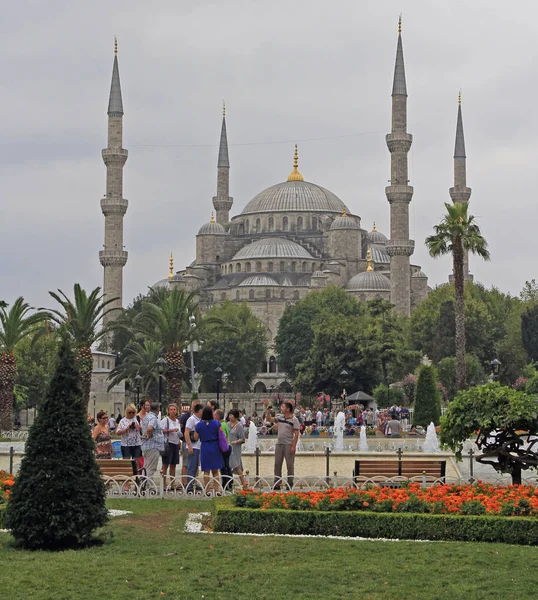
<point x="400" y="23"/>
<point x="171" y="273"/>
<point x="369" y="268"/>
<point x="344" y="214"/>
<point x="295" y="175"/>
<point x="374" y="228"/>
<point x="212" y="218"/>
<point x="115" y="46"/>
<point x="459" y="97"/>
<point x="223" y="109"/>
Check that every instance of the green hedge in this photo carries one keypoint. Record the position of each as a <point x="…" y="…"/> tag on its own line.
<point x="509" y="530"/>
<point x="2" y="514"/>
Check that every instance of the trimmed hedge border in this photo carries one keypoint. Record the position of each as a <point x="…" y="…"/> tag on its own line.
<point x="2" y="514"/>
<point x="403" y="526"/>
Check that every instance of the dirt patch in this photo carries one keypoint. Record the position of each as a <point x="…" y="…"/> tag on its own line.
<point x="157" y="523"/>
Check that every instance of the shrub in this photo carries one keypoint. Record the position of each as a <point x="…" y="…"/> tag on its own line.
<point x="427" y="397"/>
<point x="58" y="498"/>
<point x="387" y="397"/>
<point x="473" y="507"/>
<point x="510" y="530"/>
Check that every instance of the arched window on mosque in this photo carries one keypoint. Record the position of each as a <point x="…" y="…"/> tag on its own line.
<point x="247" y="267"/>
<point x="258" y="267"/>
<point x="303" y="267"/>
<point x="241" y="228"/>
<point x="267" y="293"/>
<point x="237" y="295"/>
<point x="285" y="224"/>
<point x="260" y="388"/>
<point x="282" y="294"/>
<point x="102" y="364"/>
<point x="251" y="294"/>
<point x="258" y="225"/>
<point x="238" y="268"/>
<point x="217" y="258"/>
<point x="296" y="295"/>
<point x="272" y="364"/>
<point x="313" y="267"/>
<point x="293" y="266"/>
<point x="299" y="223"/>
<point x="223" y="296"/>
<point x="225" y="270"/>
<point x="270" y="267"/>
<point x="282" y="265"/>
<point x="247" y="226"/>
<point x="264" y="366"/>
<point x="314" y="223"/>
<point x="271" y="223"/>
<point x="108" y="364"/>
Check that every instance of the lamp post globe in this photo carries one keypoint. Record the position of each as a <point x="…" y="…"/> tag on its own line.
<point x="495" y="365"/>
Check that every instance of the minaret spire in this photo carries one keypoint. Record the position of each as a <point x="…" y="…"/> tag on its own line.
<point x="399" y="193"/>
<point x="222" y="201"/>
<point x="113" y="257"/>
<point x="460" y="192"/>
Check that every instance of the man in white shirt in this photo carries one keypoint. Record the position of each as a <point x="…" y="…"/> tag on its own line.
<point x="287" y="426"/>
<point x="242" y="420"/>
<point x="319" y="418"/>
<point x="193" y="446"/>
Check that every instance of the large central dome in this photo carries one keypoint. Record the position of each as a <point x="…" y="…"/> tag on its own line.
<point x="295" y="196"/>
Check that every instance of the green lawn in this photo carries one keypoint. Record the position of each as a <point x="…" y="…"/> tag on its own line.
<point x="147" y="556"/>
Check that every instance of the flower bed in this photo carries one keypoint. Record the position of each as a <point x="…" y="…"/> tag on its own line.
<point x="471" y="499"/>
<point x="6" y="482"/>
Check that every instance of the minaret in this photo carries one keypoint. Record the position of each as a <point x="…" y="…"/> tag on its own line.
<point x="399" y="193"/>
<point x="113" y="205"/>
<point x="460" y="192"/>
<point x="223" y="201"/>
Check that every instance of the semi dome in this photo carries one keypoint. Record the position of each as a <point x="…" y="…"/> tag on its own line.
<point x="295" y="196"/>
<point x="368" y="281"/>
<point x="258" y="280"/>
<point x="344" y="221"/>
<point x="420" y="274"/>
<point x="272" y="248"/>
<point x="212" y="228"/>
<point x="379" y="254"/>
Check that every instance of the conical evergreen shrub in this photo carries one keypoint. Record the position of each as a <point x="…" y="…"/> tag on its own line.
<point x="58" y="499"/>
<point x="427" y="397"/>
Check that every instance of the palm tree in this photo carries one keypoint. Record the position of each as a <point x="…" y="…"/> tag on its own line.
<point x="169" y="323"/>
<point x="139" y="358"/>
<point x="458" y="233"/>
<point x="80" y="321"/>
<point x="15" y="324"/>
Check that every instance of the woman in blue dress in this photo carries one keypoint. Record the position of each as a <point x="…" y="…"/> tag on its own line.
<point x="207" y="431"/>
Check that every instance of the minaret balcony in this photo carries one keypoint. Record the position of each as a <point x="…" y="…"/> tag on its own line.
<point x="114" y="206"/>
<point x="400" y="247"/>
<point x="117" y="156"/>
<point x="460" y="194"/>
<point x="399" y="142"/>
<point x="399" y="193"/>
<point x="113" y="258"/>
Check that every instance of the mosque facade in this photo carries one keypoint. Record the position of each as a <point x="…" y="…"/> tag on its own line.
<point x="290" y="239"/>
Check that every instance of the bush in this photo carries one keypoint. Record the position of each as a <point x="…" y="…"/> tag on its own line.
<point x="509" y="530"/>
<point x="427" y="397"/>
<point x="2" y="515"/>
<point x="387" y="397"/>
<point x="58" y="498"/>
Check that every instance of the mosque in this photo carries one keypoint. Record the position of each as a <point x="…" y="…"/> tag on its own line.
<point x="291" y="238"/>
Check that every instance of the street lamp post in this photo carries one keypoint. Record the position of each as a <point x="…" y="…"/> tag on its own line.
<point x="495" y="365"/>
<point x="161" y="363"/>
<point x="344" y="374"/>
<point x="218" y="373"/>
<point x="138" y="380"/>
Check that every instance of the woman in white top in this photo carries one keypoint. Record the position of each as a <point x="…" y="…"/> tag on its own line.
<point x="129" y="431"/>
<point x="172" y="434"/>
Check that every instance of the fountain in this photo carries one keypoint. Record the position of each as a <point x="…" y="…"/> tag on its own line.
<point x="252" y="442"/>
<point x="300" y="447"/>
<point x="431" y="443"/>
<point x="363" y="445"/>
<point x="339" y="424"/>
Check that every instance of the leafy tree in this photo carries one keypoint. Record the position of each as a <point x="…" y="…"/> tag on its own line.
<point x="138" y="359"/>
<point x="15" y="325"/>
<point x="238" y="349"/>
<point x="387" y="396"/>
<point x="529" y="331"/>
<point x="529" y="293"/>
<point x="457" y="234"/>
<point x="532" y="386"/>
<point x="427" y="397"/>
<point x="446" y="369"/>
<point x="80" y="319"/>
<point x="169" y="322"/>
<point x="58" y="499"/>
<point x="506" y="421"/>
<point x="295" y="334"/>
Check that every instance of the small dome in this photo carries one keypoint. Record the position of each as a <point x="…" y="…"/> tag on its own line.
<point x="318" y="274"/>
<point x="258" y="280"/>
<point x="379" y="253"/>
<point x="212" y="228"/>
<point x="368" y="281"/>
<point x="272" y="248"/>
<point x="344" y="221"/>
<point x="376" y="237"/>
<point x="420" y="274"/>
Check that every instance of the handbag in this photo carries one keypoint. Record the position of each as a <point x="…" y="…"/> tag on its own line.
<point x="223" y="442"/>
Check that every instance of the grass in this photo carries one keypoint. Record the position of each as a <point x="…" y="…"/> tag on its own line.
<point x="146" y="555"/>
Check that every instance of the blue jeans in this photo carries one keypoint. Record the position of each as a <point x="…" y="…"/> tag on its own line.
<point x="192" y="466"/>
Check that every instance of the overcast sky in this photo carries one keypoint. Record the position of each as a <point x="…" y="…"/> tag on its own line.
<point x="316" y="73"/>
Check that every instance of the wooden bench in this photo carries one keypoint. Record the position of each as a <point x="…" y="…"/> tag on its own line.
<point x="399" y="468"/>
<point x="124" y="467"/>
